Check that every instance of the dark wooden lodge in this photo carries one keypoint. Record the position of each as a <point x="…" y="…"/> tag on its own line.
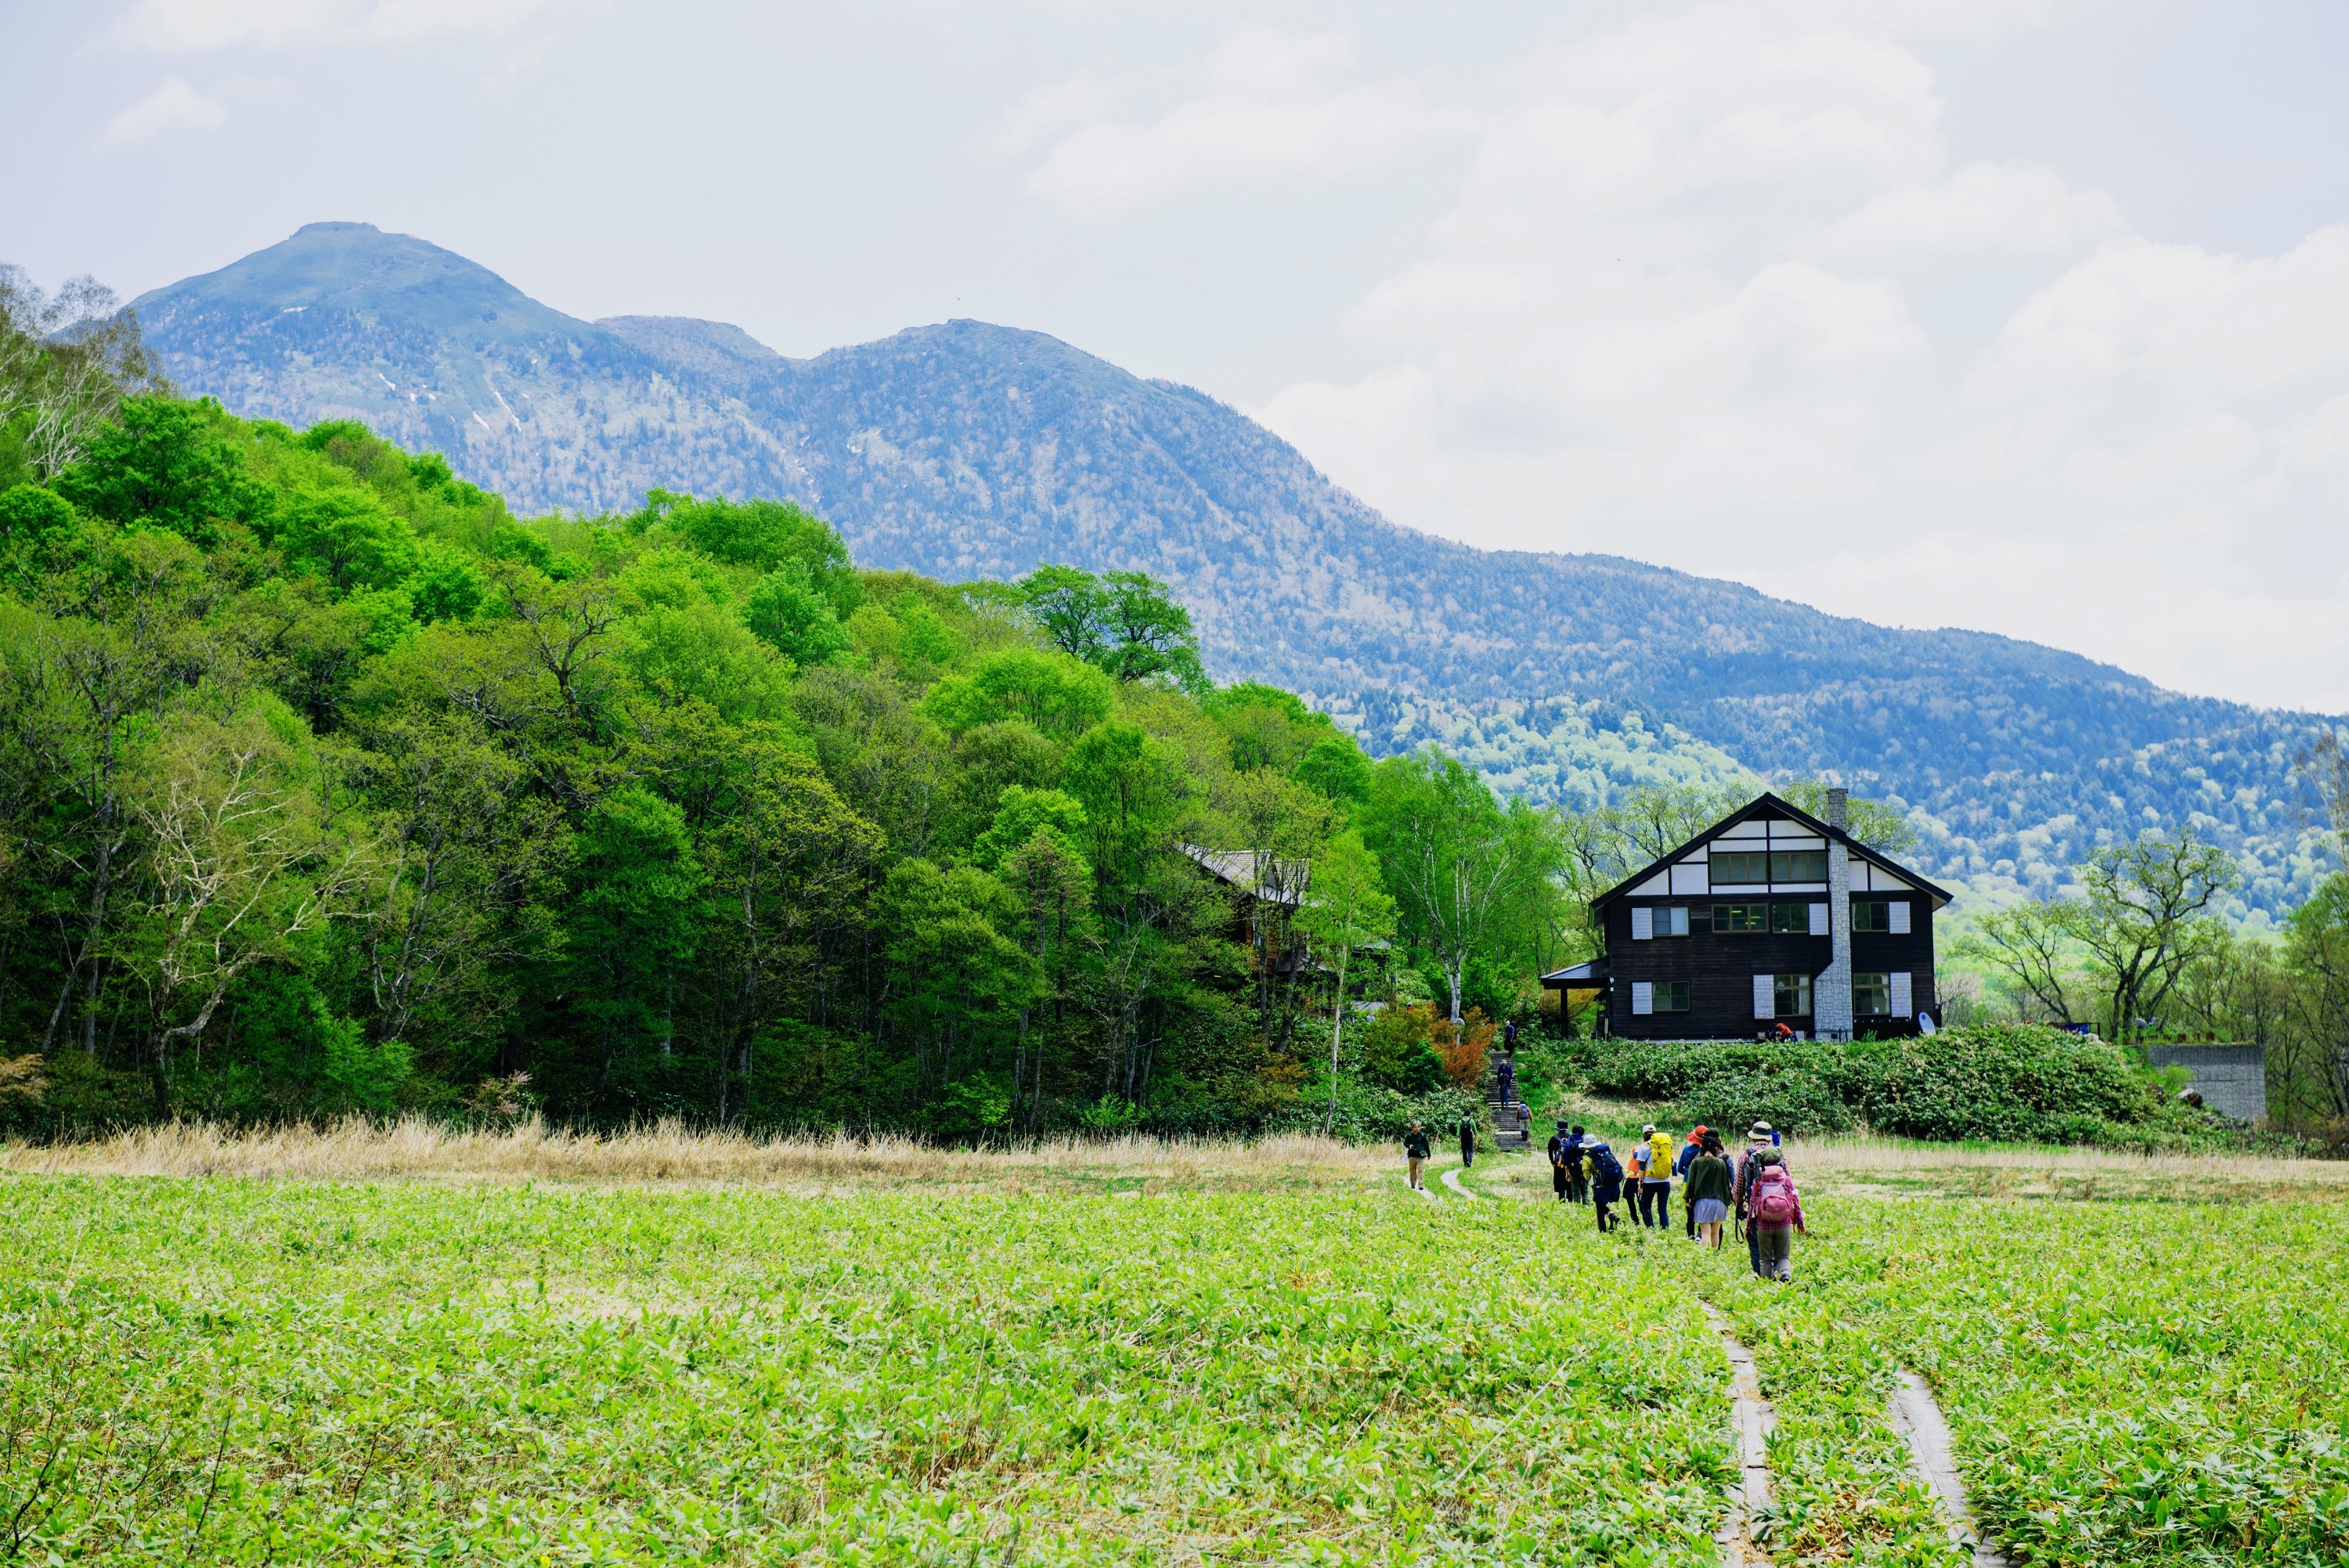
<point x="1769" y="919"/>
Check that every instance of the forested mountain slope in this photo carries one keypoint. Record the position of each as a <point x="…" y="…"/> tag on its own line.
<point x="967" y="450"/>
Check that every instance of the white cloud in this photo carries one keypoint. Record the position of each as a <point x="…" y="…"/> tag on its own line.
<point x="1985" y="211"/>
<point x="175" y="106"/>
<point x="1712" y="294"/>
<point x="191" y="25"/>
<point x="1264" y="106"/>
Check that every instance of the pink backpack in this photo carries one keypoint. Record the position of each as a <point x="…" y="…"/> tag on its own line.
<point x="1773" y="1196"/>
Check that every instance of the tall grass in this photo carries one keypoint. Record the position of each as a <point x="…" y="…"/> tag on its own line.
<point x="415" y="1148"/>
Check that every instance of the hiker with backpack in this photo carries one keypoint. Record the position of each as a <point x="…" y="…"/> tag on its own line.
<point x="1657" y="1198"/>
<point x="1635" y="1178"/>
<point x="1564" y="1150"/>
<point x="1414" y="1150"/>
<point x="1758" y="1138"/>
<point x="1606" y="1176"/>
<point x="1707" y="1189"/>
<point x="1467" y="1142"/>
<point x="1681" y="1164"/>
<point x="1773" y="1214"/>
<point x="1577" y="1176"/>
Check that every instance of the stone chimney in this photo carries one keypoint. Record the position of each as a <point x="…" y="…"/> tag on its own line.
<point x="1831" y="992"/>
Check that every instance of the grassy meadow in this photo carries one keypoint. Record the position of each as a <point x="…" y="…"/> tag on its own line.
<point x="395" y="1346"/>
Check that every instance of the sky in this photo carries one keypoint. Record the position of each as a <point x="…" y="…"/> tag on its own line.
<point x="2030" y="317"/>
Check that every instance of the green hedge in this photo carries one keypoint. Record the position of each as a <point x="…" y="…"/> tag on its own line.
<point x="2021" y="1083"/>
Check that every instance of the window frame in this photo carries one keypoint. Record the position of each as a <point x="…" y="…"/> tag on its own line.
<point x="1662" y="995"/>
<point x="1793" y="875"/>
<point x="1727" y="923"/>
<point x="1883" y="908"/>
<point x="1882" y="986"/>
<point x="1714" y="859"/>
<point x="1799" y="919"/>
<point x="1799" y="984"/>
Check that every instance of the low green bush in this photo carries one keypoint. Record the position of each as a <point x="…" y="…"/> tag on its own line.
<point x="2023" y="1083"/>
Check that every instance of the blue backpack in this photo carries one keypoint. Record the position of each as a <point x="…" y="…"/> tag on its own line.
<point x="1602" y="1160"/>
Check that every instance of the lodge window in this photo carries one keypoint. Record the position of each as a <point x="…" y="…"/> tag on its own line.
<point x="1741" y="917"/>
<point x="1649" y="922"/>
<point x="1871" y="993"/>
<point x="1739" y="869"/>
<point x="1798" y="865"/>
<point x="1790" y="919"/>
<point x="1672" y="996"/>
<point x="1874" y="914"/>
<point x="1790" y="996"/>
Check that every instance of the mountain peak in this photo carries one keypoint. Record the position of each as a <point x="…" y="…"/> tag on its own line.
<point x="360" y="268"/>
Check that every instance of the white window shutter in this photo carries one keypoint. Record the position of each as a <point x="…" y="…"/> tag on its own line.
<point x="1766" y="995"/>
<point x="1819" y="920"/>
<point x="1643" y="924"/>
<point x="1903" y="1003"/>
<point x="1643" y="999"/>
<point x="1899" y="911"/>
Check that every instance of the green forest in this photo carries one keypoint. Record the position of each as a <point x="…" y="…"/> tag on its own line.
<point x="328" y="786"/>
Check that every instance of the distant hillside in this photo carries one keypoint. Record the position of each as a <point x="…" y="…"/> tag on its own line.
<point x="967" y="450"/>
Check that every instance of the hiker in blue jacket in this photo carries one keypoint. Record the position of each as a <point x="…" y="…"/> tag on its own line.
<point x="1606" y="1173"/>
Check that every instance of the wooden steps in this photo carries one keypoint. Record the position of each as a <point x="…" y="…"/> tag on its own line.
<point x="1512" y="1122"/>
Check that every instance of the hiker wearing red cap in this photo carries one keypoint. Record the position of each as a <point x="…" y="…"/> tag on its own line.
<point x="1687" y="1157"/>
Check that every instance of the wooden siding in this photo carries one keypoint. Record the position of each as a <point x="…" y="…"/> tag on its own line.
<point x="1720" y="968"/>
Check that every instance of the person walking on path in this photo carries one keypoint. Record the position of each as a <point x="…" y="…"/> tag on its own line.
<point x="1577" y="1176"/>
<point x="1414" y="1150"/>
<point x="1660" y="1177"/>
<point x="1707" y="1189"/>
<point x="1775" y="1214"/>
<point x="1606" y="1177"/>
<point x="1565" y="1161"/>
<point x="1635" y="1178"/>
<point x="1688" y="1157"/>
<point x="1509" y="1038"/>
<point x="1758" y="1138"/>
<point x="1467" y="1142"/>
<point x="1507" y="1072"/>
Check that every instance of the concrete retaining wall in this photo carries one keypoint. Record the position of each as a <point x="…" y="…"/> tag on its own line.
<point x="2231" y="1079"/>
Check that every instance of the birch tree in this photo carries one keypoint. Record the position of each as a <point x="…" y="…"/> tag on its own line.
<point x="1346" y="910"/>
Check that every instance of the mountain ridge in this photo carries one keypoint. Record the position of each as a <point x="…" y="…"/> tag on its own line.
<point x="963" y="449"/>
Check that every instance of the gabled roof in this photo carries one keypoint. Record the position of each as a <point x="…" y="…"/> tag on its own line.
<point x="1767" y="804"/>
<point x="1284" y="881"/>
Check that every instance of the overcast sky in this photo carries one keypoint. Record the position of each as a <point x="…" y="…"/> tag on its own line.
<point x="2026" y="315"/>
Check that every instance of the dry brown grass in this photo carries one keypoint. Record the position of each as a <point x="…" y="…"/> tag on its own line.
<point x="1868" y="1164"/>
<point x="671" y="1154"/>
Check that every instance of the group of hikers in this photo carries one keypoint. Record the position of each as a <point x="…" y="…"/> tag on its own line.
<point x="1755" y="1190"/>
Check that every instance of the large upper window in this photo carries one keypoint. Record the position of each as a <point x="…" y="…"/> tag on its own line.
<point x="1751" y="867"/>
<point x="1871" y="993"/>
<point x="1739" y="869"/>
<point x="1741" y="917"/>
<point x="1791" y="995"/>
<point x="1790" y="919"/>
<point x="1798" y="865"/>
<point x="1870" y="914"/>
<point x="1671" y="996"/>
